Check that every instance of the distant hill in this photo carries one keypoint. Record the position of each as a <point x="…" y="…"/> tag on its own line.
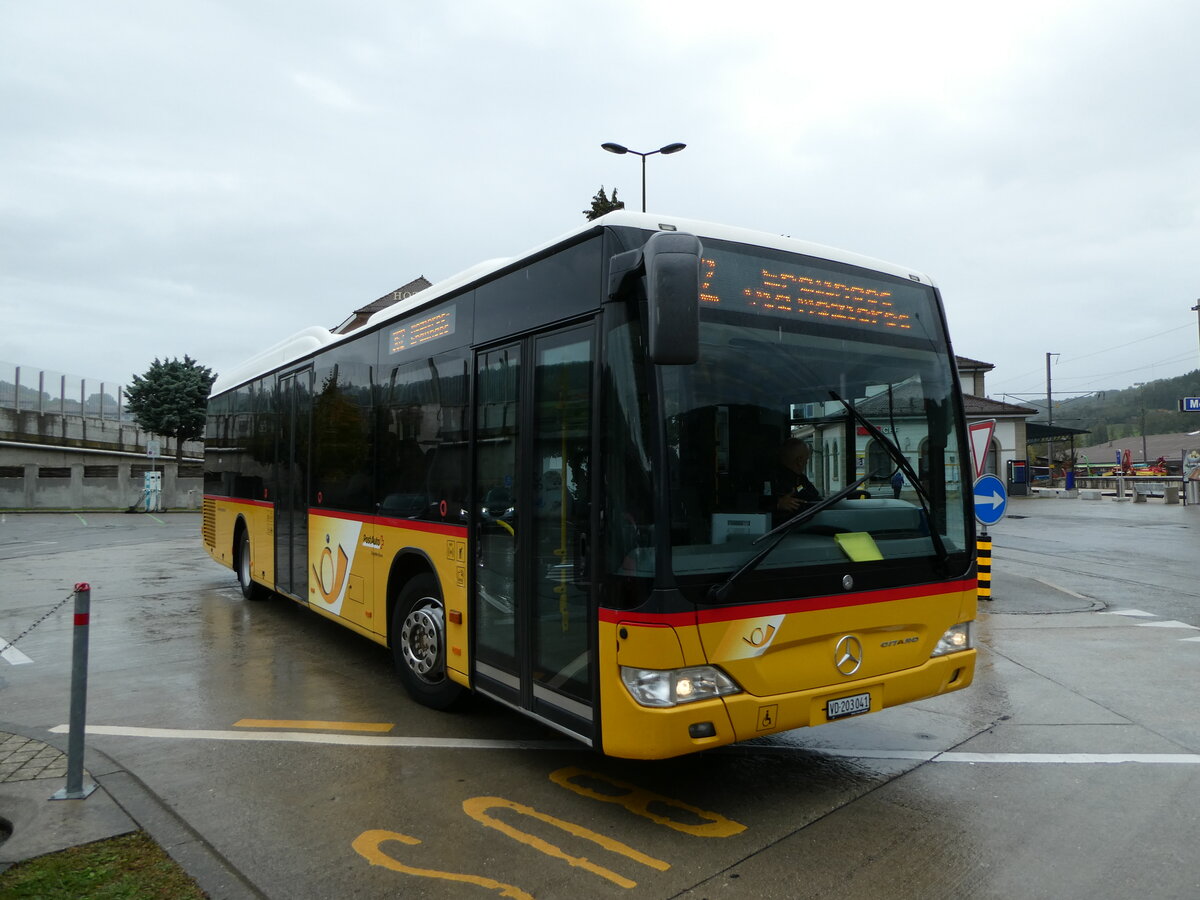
<point x="1150" y="408"/>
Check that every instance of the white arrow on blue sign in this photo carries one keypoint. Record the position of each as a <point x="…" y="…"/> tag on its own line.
<point x="991" y="499"/>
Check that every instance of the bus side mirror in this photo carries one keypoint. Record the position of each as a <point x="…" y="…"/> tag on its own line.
<point x="670" y="264"/>
<point x="673" y="297"/>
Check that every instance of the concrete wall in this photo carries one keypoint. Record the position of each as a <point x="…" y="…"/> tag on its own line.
<point x="83" y="431"/>
<point x="51" y="461"/>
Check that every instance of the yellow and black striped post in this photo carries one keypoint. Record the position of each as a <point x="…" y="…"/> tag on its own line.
<point x="983" y="565"/>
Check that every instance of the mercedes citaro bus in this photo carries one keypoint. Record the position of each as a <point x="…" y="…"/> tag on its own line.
<point x="554" y="480"/>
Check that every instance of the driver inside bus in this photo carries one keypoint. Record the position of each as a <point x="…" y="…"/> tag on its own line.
<point x="790" y="486"/>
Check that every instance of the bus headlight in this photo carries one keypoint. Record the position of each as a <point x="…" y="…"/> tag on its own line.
<point x="957" y="637"/>
<point x="671" y="687"/>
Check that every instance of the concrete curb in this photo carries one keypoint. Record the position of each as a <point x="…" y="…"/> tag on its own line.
<point x="121" y="804"/>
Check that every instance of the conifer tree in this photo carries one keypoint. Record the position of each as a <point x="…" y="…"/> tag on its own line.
<point x="171" y="400"/>
<point x="602" y="204"/>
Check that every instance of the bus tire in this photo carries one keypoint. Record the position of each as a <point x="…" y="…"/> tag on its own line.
<point x="418" y="639"/>
<point x="251" y="589"/>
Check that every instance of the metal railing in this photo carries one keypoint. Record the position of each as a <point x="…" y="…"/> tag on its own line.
<point x="25" y="388"/>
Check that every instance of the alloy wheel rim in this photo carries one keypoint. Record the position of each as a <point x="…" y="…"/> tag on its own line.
<point x="421" y="640"/>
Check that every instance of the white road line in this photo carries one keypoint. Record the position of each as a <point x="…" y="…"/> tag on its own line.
<point x="915" y="755"/>
<point x="1167" y="623"/>
<point x="299" y="737"/>
<point x="13" y="655"/>
<point x="1187" y="759"/>
<point x="362" y="740"/>
<point x="1060" y="588"/>
<point x="1127" y="612"/>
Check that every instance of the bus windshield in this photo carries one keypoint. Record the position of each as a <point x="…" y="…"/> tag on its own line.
<point x="761" y="427"/>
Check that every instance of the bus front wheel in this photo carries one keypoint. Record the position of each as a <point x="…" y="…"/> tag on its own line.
<point x="418" y="639"/>
<point x="251" y="589"/>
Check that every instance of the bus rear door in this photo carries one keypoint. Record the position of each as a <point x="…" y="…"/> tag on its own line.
<point x="293" y="441"/>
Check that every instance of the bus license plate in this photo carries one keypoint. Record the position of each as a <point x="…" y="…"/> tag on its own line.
<point x="848" y="706"/>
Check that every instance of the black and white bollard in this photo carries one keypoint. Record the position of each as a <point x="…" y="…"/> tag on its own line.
<point x="75" y="789"/>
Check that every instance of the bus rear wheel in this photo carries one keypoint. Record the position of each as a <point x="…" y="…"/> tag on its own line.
<point x="418" y="639"/>
<point x="251" y="589"/>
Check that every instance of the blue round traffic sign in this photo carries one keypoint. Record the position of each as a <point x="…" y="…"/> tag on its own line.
<point x="991" y="499"/>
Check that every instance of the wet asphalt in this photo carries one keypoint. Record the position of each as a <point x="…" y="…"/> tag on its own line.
<point x="274" y="754"/>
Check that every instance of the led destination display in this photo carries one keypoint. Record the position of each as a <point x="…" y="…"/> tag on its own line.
<point x="796" y="290"/>
<point x="432" y="327"/>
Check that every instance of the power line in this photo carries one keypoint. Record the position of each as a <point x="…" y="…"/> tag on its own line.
<point x="1156" y="364"/>
<point x="1128" y="344"/>
<point x="1072" y="359"/>
<point x="1153" y="365"/>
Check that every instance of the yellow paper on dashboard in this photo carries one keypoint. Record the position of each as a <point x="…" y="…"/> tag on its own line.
<point x="858" y="545"/>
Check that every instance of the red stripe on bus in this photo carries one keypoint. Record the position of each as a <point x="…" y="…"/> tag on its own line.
<point x="409" y="524"/>
<point x="782" y="607"/>
<point x="427" y="527"/>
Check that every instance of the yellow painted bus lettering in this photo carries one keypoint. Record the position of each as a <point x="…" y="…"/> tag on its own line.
<point x="640" y="802"/>
<point x="367" y="845"/>
<point x="478" y="807"/>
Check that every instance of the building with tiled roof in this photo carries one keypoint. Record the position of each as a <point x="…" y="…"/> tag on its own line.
<point x="1009" y="439"/>
<point x="359" y="316"/>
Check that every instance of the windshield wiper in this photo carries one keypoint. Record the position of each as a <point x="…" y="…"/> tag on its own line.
<point x="897" y="455"/>
<point x="718" y="592"/>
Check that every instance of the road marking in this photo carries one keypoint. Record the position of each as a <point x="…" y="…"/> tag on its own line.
<point x="641" y="802"/>
<point x="362" y="740"/>
<point x="12" y="655"/>
<point x="1165" y="623"/>
<point x="320" y="726"/>
<point x="1060" y="588"/>
<point x="954" y="756"/>
<point x="1186" y="759"/>
<point x="297" y="737"/>
<point x="367" y="845"/>
<point x="478" y="808"/>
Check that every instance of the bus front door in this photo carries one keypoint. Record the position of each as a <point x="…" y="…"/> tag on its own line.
<point x="532" y="599"/>
<point x="291" y="501"/>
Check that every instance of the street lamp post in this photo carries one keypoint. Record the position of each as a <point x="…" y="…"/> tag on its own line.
<point x="1196" y="310"/>
<point x="620" y="149"/>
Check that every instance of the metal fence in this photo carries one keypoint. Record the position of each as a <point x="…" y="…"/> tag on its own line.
<point x="39" y="390"/>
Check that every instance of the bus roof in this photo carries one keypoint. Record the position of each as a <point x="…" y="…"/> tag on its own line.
<point x="312" y="339"/>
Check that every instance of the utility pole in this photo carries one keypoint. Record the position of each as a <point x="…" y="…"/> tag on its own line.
<point x="1145" y="455"/>
<point x="1049" y="423"/>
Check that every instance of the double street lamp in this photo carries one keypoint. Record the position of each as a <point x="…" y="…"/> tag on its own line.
<point x="620" y="149"/>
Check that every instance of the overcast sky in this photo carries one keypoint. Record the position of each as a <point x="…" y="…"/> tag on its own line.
<point x="206" y="178"/>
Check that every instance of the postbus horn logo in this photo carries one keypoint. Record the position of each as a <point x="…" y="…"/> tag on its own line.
<point x="323" y="568"/>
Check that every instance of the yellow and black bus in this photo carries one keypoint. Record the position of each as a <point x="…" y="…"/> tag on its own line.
<point x="559" y="481"/>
